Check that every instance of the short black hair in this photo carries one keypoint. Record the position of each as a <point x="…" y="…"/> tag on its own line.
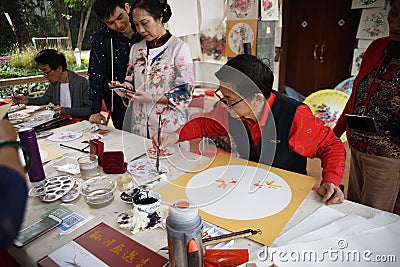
<point x="155" y="8"/>
<point x="52" y="58"/>
<point x="250" y="75"/>
<point x="105" y="8"/>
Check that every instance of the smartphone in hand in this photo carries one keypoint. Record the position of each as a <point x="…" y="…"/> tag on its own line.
<point x="39" y="228"/>
<point x="122" y="89"/>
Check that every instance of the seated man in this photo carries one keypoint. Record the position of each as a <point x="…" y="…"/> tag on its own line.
<point x="266" y="126"/>
<point x="68" y="91"/>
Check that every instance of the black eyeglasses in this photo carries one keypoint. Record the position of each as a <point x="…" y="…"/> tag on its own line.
<point x="221" y="98"/>
<point x="45" y="73"/>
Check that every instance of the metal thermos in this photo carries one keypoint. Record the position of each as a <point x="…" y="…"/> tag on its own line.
<point x="27" y="136"/>
<point x="184" y="229"/>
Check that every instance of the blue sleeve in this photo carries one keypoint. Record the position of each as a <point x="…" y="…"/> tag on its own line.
<point x="13" y="194"/>
<point x="97" y="71"/>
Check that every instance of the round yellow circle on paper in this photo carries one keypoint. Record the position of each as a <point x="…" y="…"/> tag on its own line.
<point x="328" y="105"/>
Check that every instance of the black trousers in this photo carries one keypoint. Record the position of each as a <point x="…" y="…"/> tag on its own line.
<point x="118" y="113"/>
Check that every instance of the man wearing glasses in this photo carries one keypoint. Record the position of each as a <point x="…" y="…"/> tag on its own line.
<point x="68" y="92"/>
<point x="265" y="126"/>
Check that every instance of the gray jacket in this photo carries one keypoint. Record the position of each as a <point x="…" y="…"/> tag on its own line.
<point x="79" y="90"/>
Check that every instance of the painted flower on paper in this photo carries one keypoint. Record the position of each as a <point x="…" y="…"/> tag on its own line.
<point x="213" y="46"/>
<point x="241" y="8"/>
<point x="266" y="4"/>
<point x="376" y="24"/>
<point x="366" y="2"/>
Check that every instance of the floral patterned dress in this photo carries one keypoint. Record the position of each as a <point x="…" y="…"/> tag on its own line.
<point x="168" y="70"/>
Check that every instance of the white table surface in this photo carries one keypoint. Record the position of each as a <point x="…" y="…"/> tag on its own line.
<point x="155" y="239"/>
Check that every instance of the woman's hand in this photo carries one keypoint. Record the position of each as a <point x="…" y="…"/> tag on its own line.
<point x="122" y="93"/>
<point x="166" y="139"/>
<point x="331" y="194"/>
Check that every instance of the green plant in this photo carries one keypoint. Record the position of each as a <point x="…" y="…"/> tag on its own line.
<point x="23" y="59"/>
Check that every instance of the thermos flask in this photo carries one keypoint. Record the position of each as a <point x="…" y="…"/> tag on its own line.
<point x="184" y="230"/>
<point x="27" y="136"/>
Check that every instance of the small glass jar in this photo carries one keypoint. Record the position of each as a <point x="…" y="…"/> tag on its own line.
<point x="125" y="182"/>
<point x="88" y="166"/>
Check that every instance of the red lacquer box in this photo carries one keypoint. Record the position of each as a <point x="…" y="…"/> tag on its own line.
<point x="113" y="162"/>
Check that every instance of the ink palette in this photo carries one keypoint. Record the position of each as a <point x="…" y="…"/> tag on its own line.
<point x="52" y="188"/>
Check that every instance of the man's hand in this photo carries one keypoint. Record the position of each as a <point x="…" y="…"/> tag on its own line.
<point x="20" y="99"/>
<point x="166" y="139"/>
<point x="97" y="118"/>
<point x="331" y="194"/>
<point x="59" y="109"/>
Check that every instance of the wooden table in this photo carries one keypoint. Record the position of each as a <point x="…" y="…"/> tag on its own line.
<point x="154" y="239"/>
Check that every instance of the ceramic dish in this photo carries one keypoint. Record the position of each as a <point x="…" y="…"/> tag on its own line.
<point x="65" y="136"/>
<point x="44" y="134"/>
<point x="164" y="152"/>
<point x="54" y="188"/>
<point x="144" y="167"/>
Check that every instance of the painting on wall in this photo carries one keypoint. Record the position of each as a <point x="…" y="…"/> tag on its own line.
<point x="373" y="24"/>
<point x="269" y="10"/>
<point x="357" y="58"/>
<point x="238" y="33"/>
<point x="242" y="9"/>
<point x="212" y="43"/>
<point x="367" y="3"/>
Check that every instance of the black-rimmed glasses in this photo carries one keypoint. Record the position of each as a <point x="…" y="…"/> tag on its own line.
<point x="218" y="94"/>
<point x="45" y="73"/>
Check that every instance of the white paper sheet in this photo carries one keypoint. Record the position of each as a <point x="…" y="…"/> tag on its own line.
<point x="331" y="229"/>
<point x="211" y="13"/>
<point x="185" y="17"/>
<point x="72" y="253"/>
<point x="4" y="109"/>
<point x="319" y="218"/>
<point x="375" y="247"/>
<point x="379" y="220"/>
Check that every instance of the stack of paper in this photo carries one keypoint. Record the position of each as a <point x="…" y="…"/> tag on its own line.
<point x="330" y="238"/>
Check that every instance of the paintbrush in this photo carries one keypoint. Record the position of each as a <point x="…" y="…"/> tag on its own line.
<point x="158" y="145"/>
<point x="75" y="148"/>
<point x="13" y="96"/>
<point x="228" y="237"/>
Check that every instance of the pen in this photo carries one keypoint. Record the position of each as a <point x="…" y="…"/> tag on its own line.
<point x="158" y="145"/>
<point x="228" y="237"/>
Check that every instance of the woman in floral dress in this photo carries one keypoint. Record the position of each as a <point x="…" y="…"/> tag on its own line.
<point x="160" y="70"/>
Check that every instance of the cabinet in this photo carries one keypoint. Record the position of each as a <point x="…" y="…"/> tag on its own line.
<point x="318" y="41"/>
